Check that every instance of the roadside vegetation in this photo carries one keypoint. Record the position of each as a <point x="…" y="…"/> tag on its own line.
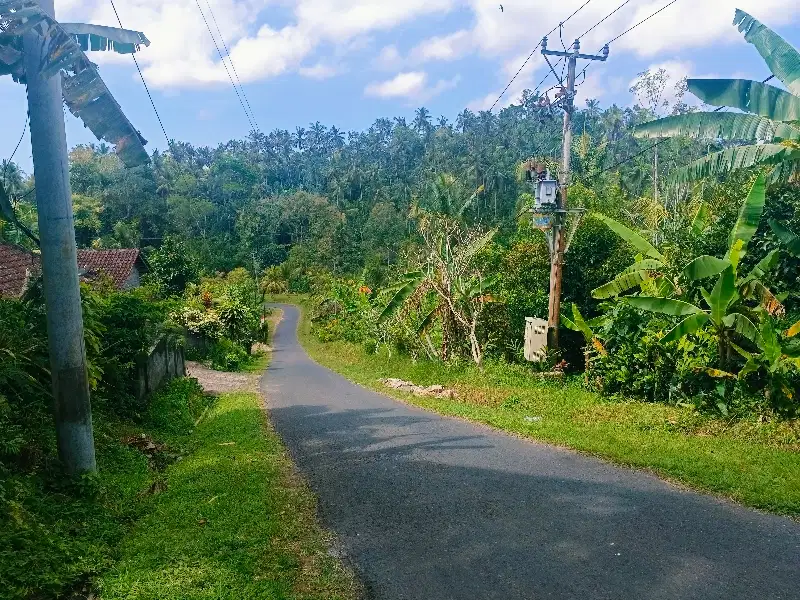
<point x="194" y="497"/>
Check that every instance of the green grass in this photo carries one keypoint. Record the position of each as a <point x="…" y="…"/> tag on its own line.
<point x="233" y="522"/>
<point x="57" y="533"/>
<point x="757" y="464"/>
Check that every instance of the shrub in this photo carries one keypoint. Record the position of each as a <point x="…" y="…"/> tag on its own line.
<point x="176" y="407"/>
<point x="227" y="355"/>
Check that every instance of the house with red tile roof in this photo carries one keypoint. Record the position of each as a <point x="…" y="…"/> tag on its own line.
<point x="18" y="266"/>
<point x="124" y="266"/>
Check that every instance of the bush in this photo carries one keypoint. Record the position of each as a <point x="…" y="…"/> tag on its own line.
<point x="176" y="407"/>
<point x="226" y="355"/>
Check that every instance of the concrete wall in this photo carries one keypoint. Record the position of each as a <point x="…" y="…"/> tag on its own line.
<point x="164" y="363"/>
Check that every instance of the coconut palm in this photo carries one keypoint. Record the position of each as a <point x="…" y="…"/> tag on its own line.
<point x="768" y="125"/>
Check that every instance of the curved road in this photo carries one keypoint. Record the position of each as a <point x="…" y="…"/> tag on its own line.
<point x="428" y="507"/>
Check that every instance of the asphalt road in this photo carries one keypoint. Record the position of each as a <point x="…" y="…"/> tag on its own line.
<point x="428" y="507"/>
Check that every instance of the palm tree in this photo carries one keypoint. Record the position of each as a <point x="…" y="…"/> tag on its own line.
<point x="769" y="123"/>
<point x="300" y="138"/>
<point x="422" y="121"/>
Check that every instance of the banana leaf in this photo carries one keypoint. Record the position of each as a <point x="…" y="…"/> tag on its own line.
<point x="725" y="125"/>
<point x="701" y="219"/>
<point x="781" y="58"/>
<point x="647" y="264"/>
<point x="665" y="306"/>
<point x="750" y="96"/>
<point x="87" y="97"/>
<point x="723" y="295"/>
<point x="465" y="254"/>
<point x="764" y="266"/>
<point x="705" y="266"/>
<point x="399" y="298"/>
<point x="630" y="236"/>
<point x="689" y="325"/>
<point x="96" y="38"/>
<point x="750" y="215"/>
<point x="787" y="237"/>
<point x="739" y="157"/>
<point x="427" y="322"/>
<point x="743" y="326"/>
<point x="621" y="284"/>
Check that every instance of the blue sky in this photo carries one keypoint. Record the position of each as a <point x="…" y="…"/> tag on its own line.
<point x="348" y="62"/>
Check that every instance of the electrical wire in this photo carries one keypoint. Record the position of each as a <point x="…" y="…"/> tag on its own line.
<point x="530" y="56"/>
<point x="13" y="154"/>
<point x="627" y="31"/>
<point x="662" y="9"/>
<point x="604" y="19"/>
<point x="592" y="28"/>
<point x="224" y="64"/>
<point x="233" y="66"/>
<point x="144" y="83"/>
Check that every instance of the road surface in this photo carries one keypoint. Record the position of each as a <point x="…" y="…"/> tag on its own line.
<point x="429" y="507"/>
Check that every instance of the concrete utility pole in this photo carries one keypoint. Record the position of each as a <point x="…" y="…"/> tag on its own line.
<point x="73" y="413"/>
<point x="559" y="245"/>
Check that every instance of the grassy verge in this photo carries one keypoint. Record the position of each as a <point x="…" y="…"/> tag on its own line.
<point x="232" y="522"/>
<point x="755" y="463"/>
<point x="57" y="533"/>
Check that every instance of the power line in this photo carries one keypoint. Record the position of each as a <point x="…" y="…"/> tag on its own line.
<point x="627" y="31"/>
<point x="233" y="66"/>
<point x="530" y="56"/>
<point x="592" y="28"/>
<point x="604" y="19"/>
<point x="8" y="162"/>
<point x="141" y="75"/>
<point x="224" y="64"/>
<point x="621" y="162"/>
<point x="642" y="21"/>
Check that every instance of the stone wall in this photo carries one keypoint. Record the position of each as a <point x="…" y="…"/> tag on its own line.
<point x="164" y="363"/>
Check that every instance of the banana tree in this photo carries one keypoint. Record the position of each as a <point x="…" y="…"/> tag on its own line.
<point x="768" y="124"/>
<point x="647" y="272"/>
<point x="581" y="325"/>
<point x="778" y="361"/>
<point x="459" y="290"/>
<point x="750" y="285"/>
<point x="726" y="313"/>
<point x="727" y="310"/>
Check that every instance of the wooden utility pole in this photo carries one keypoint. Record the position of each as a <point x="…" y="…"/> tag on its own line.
<point x="73" y="413"/>
<point x="559" y="222"/>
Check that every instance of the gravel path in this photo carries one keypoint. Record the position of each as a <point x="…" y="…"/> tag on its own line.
<point x="428" y="507"/>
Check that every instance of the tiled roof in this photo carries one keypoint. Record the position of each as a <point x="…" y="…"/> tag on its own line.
<point x="17" y="265"/>
<point x="117" y="264"/>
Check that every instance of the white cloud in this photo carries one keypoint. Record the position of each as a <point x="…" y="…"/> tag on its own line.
<point x="389" y="58"/>
<point x="319" y="71"/>
<point x="183" y="55"/>
<point x="404" y="85"/>
<point x="449" y="47"/>
<point x="411" y="85"/>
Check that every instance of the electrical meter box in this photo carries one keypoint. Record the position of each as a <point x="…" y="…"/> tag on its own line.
<point x="546" y="193"/>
